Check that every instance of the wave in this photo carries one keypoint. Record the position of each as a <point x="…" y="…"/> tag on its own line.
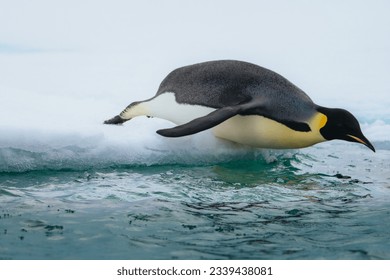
<point x="108" y="146"/>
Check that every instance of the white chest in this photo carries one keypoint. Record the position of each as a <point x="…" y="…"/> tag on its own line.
<point x="165" y="106"/>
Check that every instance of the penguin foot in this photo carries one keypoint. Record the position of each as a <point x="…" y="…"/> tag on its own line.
<point x="115" y="120"/>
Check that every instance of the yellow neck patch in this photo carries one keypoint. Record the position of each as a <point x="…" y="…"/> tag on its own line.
<point x="318" y="121"/>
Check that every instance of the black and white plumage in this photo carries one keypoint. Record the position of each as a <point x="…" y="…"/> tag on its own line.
<point x="243" y="103"/>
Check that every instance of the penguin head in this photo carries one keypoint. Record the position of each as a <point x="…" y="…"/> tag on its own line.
<point x="342" y="125"/>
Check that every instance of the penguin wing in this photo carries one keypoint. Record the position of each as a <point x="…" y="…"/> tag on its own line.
<point x="214" y="118"/>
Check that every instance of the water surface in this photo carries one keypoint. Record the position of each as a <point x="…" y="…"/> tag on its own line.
<point x="327" y="202"/>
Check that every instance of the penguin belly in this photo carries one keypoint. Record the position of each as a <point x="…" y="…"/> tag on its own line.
<point x="262" y="132"/>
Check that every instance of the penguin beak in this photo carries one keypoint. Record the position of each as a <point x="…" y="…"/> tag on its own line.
<point x="363" y="140"/>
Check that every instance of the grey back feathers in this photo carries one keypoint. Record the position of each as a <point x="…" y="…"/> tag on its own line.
<point x="223" y="83"/>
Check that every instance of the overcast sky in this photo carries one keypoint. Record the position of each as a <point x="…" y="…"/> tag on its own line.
<point x="223" y="25"/>
<point x="320" y="45"/>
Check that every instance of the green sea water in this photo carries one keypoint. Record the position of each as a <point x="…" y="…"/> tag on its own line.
<point x="327" y="202"/>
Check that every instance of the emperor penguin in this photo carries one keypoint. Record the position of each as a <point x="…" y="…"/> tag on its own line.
<point x="244" y="103"/>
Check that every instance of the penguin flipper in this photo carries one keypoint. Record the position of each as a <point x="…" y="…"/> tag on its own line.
<point x="214" y="118"/>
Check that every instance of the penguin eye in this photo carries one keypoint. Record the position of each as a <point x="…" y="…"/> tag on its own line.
<point x="340" y="125"/>
<point x="343" y="127"/>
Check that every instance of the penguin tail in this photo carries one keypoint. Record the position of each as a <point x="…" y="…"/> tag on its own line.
<point x="115" y="120"/>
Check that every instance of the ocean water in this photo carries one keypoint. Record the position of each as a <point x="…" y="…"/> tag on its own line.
<point x="73" y="188"/>
<point x="326" y="202"/>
